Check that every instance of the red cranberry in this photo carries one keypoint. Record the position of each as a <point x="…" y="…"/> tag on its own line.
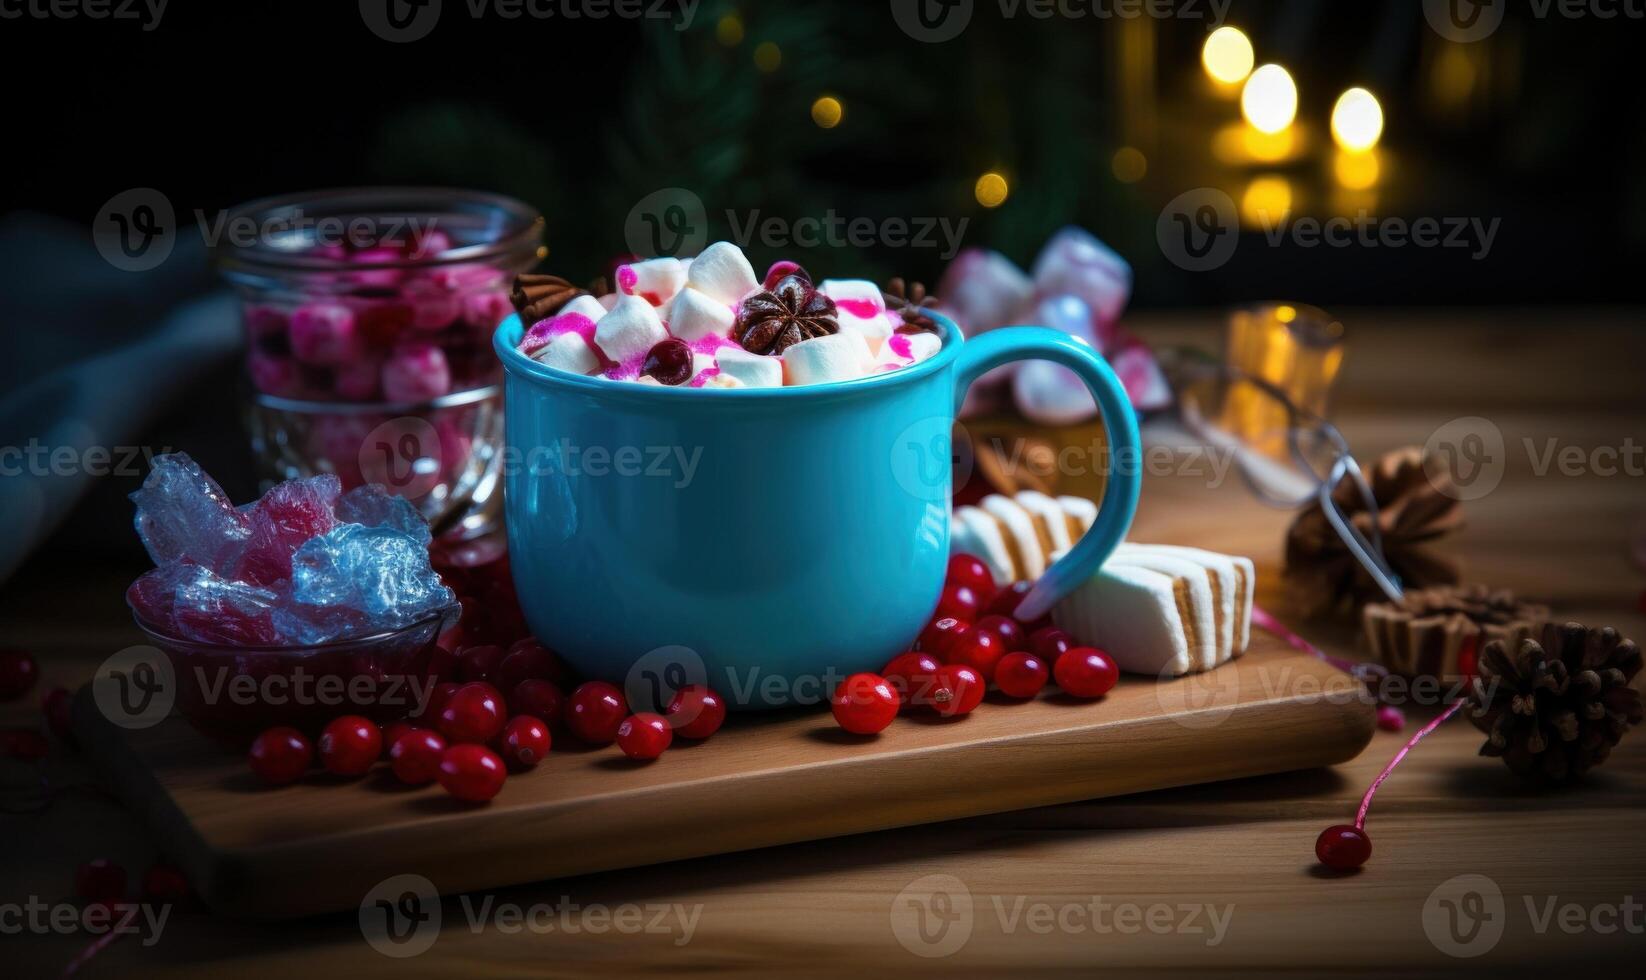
<point x="349" y="745"/>
<point x="540" y="699"/>
<point x="165" y="884"/>
<point x="100" y="880"/>
<point x="940" y="635"/>
<point x="1343" y="847"/>
<point x="524" y="742"/>
<point x="479" y="663"/>
<point x="958" y="690"/>
<point x="415" y="756"/>
<point x="1048" y="643"/>
<point x="1021" y="675"/>
<point x="958" y="601"/>
<point x="472" y="773"/>
<point x="865" y="703"/>
<point x="696" y="712"/>
<point x="1468" y="657"/>
<point x="780" y="270"/>
<point x="980" y="651"/>
<point x="392" y="733"/>
<point x="18" y="672"/>
<point x="56" y="705"/>
<point x="1006" y="629"/>
<point x="669" y="361"/>
<point x="530" y="660"/>
<point x="911" y="676"/>
<point x="1006" y="601"/>
<point x="973" y="571"/>
<point x="475" y="713"/>
<point x="644" y="736"/>
<point x="1085" y="672"/>
<point x="438" y="696"/>
<point x="280" y="756"/>
<point x="1390" y="718"/>
<point x="594" y="712"/>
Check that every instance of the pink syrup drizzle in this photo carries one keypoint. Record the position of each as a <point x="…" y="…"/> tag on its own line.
<point x="899" y="345"/>
<point x="703" y="377"/>
<point x="627" y="279"/>
<point x="863" y="309"/>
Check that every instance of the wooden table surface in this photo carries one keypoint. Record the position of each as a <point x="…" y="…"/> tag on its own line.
<point x="1211" y="878"/>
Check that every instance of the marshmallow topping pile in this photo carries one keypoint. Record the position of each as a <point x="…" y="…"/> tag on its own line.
<point x="708" y="322"/>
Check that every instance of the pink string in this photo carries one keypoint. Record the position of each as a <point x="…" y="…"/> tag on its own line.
<point x="1263" y="619"/>
<point x="1366" y="801"/>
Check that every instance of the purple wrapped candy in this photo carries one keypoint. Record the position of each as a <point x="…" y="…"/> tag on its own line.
<point x="288" y="515"/>
<point x="183" y="515"/>
<point x="356" y="578"/>
<point x="416" y="372"/>
<point x="1075" y="263"/>
<point x="189" y="601"/>
<point x="324" y="333"/>
<point x="358" y="382"/>
<point x="373" y="506"/>
<point x="273" y="375"/>
<point x="984" y="290"/>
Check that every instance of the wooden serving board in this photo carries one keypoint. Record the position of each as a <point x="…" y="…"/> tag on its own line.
<point x="322" y="844"/>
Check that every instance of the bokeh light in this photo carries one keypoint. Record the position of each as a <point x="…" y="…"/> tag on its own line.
<point x="768" y="57"/>
<point x="1267" y="201"/>
<point x="1129" y="165"/>
<point x="729" y="30"/>
<point x="1357" y="171"/>
<point x="1227" y="55"/>
<point x="826" y="112"/>
<point x="992" y="190"/>
<point x="1357" y="120"/>
<point x="1269" y="100"/>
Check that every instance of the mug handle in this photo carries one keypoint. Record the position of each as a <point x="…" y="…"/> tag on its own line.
<point x="1119" y="504"/>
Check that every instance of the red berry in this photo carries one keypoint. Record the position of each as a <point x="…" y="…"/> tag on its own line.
<point x="479" y="663"/>
<point x="442" y="662"/>
<point x="527" y="660"/>
<point x="594" y="712"/>
<point x="1343" y="847"/>
<point x="696" y="711"/>
<point x="392" y="732"/>
<point x="540" y="699"/>
<point x="865" y="703"/>
<point x="472" y="773"/>
<point x="1390" y="718"/>
<point x="56" y="705"/>
<point x="165" y="884"/>
<point x="958" y="601"/>
<point x="1021" y="675"/>
<point x="911" y="676"/>
<point x="438" y="696"/>
<point x="940" y="636"/>
<point x="958" y="690"/>
<point x="980" y="651"/>
<point x="1085" y="672"/>
<point x="415" y="756"/>
<point x="1006" y="629"/>
<point x="1006" y="601"/>
<point x="644" y="736"/>
<point x="18" y="672"/>
<point x="524" y="742"/>
<point x="1049" y="643"/>
<point x="280" y="756"/>
<point x="475" y="713"/>
<point x="349" y="745"/>
<point x="973" y="571"/>
<point x="1468" y="657"/>
<point x="100" y="880"/>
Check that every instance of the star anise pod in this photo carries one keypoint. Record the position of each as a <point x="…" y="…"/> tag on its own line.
<point x="538" y="297"/>
<point x="1413" y="511"/>
<point x="1553" y="707"/>
<point x="910" y="300"/>
<point x="772" y="321"/>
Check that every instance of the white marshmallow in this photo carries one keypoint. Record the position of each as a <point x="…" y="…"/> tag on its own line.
<point x="860" y="308"/>
<point x="586" y="305"/>
<point x="1132" y="613"/>
<point x="701" y="362"/>
<point x="977" y="534"/>
<point x="1081" y="510"/>
<point x="693" y="316"/>
<point x="835" y="357"/>
<point x="723" y="380"/>
<point x="630" y="330"/>
<point x="569" y="352"/>
<point x="923" y="345"/>
<point x="609" y="301"/>
<point x="1192" y="591"/>
<point x="856" y="292"/>
<point x="1048" y="512"/>
<point x="654" y="280"/>
<point x="752" y="370"/>
<point x="1234" y="577"/>
<point x="1017" y="523"/>
<point x="722" y="272"/>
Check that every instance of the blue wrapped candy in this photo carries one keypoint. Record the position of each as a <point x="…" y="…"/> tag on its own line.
<point x="356" y="579"/>
<point x="374" y="506"/>
<point x="183" y="515"/>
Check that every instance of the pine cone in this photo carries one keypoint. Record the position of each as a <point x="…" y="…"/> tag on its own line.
<point x="538" y="297"/>
<point x="1439" y="632"/>
<point x="1554" y="708"/>
<point x="1413" y="511"/>
<point x="910" y="300"/>
<point x="793" y="310"/>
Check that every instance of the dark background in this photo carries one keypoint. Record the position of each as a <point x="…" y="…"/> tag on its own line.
<point x="230" y="101"/>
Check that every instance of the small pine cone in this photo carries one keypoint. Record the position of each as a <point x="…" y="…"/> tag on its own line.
<point x="1554" y="707"/>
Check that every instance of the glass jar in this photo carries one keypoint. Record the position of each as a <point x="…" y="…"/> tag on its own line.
<point x="368" y="316"/>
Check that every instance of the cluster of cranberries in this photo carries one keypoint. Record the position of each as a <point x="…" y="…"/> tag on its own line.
<point x="19" y="672"/>
<point x="974" y="641"/>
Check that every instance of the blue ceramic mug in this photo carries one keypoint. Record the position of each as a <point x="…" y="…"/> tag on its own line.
<point x="774" y="540"/>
